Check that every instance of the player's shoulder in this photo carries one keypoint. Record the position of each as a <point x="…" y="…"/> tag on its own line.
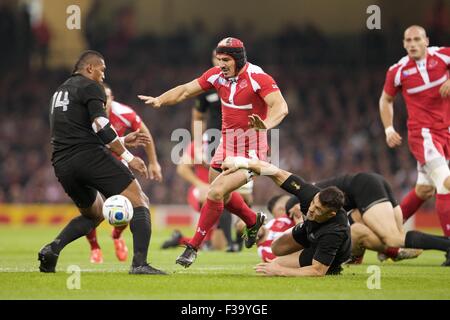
<point x="120" y="108"/>
<point x="213" y="71"/>
<point x="441" y="52"/>
<point x="400" y="63"/>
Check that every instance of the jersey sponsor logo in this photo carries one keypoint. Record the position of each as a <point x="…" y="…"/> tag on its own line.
<point x="243" y="84"/>
<point x="295" y="185"/>
<point x="223" y="82"/>
<point x="432" y="63"/>
<point x="409" y="72"/>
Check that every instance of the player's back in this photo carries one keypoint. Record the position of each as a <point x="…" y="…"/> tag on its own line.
<point x="71" y="119"/>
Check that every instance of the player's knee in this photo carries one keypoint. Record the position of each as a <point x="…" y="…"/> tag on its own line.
<point x="425" y="192"/>
<point x="216" y="193"/>
<point x="394" y="241"/>
<point x="357" y="232"/>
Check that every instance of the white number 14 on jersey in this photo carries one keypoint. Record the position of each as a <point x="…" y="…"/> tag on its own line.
<point x="58" y="102"/>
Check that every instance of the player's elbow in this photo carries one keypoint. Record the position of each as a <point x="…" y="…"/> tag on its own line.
<point x="319" y="269"/>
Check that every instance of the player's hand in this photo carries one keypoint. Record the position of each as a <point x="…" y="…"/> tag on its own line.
<point x="268" y="269"/>
<point x="137" y="139"/>
<point x="256" y="122"/>
<point x="152" y="101"/>
<point x="393" y="139"/>
<point x="154" y="172"/>
<point x="444" y="90"/>
<point x="139" y="165"/>
<point x="229" y="166"/>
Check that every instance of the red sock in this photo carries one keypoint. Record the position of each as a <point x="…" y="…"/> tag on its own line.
<point x="443" y="211"/>
<point x="92" y="238"/>
<point x="391" y="252"/>
<point x="410" y="203"/>
<point x="237" y="205"/>
<point x="209" y="215"/>
<point x="184" y="240"/>
<point x="117" y="231"/>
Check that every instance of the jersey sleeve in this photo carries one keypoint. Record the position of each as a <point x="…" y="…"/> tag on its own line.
<point x="327" y="248"/>
<point x="300" y="235"/>
<point x="94" y="97"/>
<point x="136" y="121"/>
<point x="207" y="80"/>
<point x="266" y="84"/>
<point x="389" y="84"/>
<point x="444" y="53"/>
<point x="303" y="190"/>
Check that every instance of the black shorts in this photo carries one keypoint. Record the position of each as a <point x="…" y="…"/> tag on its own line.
<point x="90" y="171"/>
<point x="369" y="189"/>
<point x="306" y="257"/>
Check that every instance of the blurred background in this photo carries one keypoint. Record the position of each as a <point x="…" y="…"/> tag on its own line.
<point x="328" y="64"/>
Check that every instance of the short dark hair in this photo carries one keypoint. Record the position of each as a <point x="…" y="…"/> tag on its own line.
<point x="291" y="203"/>
<point x="332" y="198"/>
<point x="85" y="58"/>
<point x="273" y="201"/>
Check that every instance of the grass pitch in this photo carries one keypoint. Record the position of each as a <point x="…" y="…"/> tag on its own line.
<point x="215" y="275"/>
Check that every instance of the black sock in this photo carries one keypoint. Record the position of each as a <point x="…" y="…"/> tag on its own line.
<point x="78" y="227"/>
<point x="141" y="228"/>
<point x="420" y="240"/>
<point x="225" y="226"/>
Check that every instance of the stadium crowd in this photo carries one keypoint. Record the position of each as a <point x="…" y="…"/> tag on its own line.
<point x="333" y="125"/>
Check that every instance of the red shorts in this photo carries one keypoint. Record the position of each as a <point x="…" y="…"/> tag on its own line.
<point x="428" y="144"/>
<point x="254" y="147"/>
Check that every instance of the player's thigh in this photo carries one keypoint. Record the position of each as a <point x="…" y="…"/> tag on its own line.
<point x="289" y="261"/>
<point x="380" y="218"/>
<point x="82" y="195"/>
<point x="224" y="184"/>
<point x="285" y="244"/>
<point x="105" y="173"/>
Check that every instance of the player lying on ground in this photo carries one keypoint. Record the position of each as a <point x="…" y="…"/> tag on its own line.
<point x="369" y="193"/>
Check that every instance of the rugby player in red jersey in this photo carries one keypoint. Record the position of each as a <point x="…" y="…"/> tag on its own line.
<point x="423" y="79"/>
<point x="251" y="104"/>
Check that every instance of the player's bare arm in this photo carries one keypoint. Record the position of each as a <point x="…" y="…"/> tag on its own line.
<point x="444" y="90"/>
<point x="108" y="135"/>
<point x="393" y="139"/>
<point x="232" y="164"/>
<point x="277" y="110"/>
<point x="136" y="139"/>
<point x="317" y="269"/>
<point x="175" y="95"/>
<point x="154" y="169"/>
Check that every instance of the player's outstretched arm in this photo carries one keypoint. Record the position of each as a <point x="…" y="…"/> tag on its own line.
<point x="317" y="269"/>
<point x="393" y="139"/>
<point x="263" y="168"/>
<point x="175" y="95"/>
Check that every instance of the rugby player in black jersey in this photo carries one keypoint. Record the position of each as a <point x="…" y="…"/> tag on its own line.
<point x="369" y="193"/>
<point x="83" y="141"/>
